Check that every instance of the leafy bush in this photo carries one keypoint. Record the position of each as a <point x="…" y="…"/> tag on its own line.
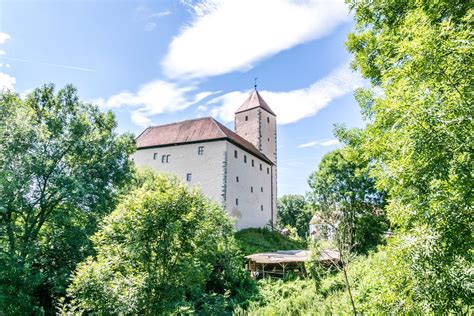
<point x="164" y="249"/>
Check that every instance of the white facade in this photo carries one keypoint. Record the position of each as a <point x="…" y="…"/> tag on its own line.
<point x="238" y="175"/>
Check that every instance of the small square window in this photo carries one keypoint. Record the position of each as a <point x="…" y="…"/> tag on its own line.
<point x="245" y="159"/>
<point x="261" y="189"/>
<point x="246" y="118"/>
<point x="236" y="201"/>
<point x="237" y="179"/>
<point x="252" y="163"/>
<point x="188" y="177"/>
<point x="200" y="150"/>
<point x="261" y="208"/>
<point x="235" y="154"/>
<point x="268" y="170"/>
<point x="268" y="120"/>
<point x="260" y="167"/>
<point x="251" y="189"/>
<point x="155" y="155"/>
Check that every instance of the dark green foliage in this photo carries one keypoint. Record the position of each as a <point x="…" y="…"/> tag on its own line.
<point x="60" y="166"/>
<point x="165" y="249"/>
<point x="293" y="212"/>
<point x="254" y="240"/>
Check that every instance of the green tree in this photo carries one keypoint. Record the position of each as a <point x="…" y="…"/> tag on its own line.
<point x="60" y="166"/>
<point x="164" y="249"/>
<point x="419" y="57"/>
<point x="344" y="196"/>
<point x="293" y="211"/>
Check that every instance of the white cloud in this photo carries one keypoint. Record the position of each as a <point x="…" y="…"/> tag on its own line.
<point x="2" y="52"/>
<point x="149" y="16"/>
<point x="4" y="37"/>
<point x="232" y="35"/>
<point x="156" y="97"/>
<point x="325" y="143"/>
<point x="292" y="106"/>
<point x="7" y="82"/>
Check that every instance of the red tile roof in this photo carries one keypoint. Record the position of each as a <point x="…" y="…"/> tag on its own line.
<point x="193" y="131"/>
<point x="254" y="101"/>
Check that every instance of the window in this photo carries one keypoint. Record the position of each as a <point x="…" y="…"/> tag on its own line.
<point x="235" y="154"/>
<point x="261" y="189"/>
<point x="237" y="179"/>
<point x="252" y="163"/>
<point x="200" y="150"/>
<point x="260" y="167"/>
<point x="268" y="120"/>
<point x="246" y="117"/>
<point x="251" y="189"/>
<point x="163" y="159"/>
<point x="268" y="170"/>
<point x="245" y="158"/>
<point x="268" y="138"/>
<point x="188" y="177"/>
<point x="261" y="208"/>
<point x="155" y="155"/>
<point x="236" y="201"/>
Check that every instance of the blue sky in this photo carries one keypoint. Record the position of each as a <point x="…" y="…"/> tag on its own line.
<point x="155" y="62"/>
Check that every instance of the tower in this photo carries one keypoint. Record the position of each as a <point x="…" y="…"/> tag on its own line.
<point x="256" y="122"/>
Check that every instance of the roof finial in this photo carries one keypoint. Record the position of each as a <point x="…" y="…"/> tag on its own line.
<point x="255" y="83"/>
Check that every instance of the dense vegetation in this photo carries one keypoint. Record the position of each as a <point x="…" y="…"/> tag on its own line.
<point x="165" y="249"/>
<point x="61" y="167"/>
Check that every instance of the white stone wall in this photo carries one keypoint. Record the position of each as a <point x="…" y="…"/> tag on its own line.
<point x="248" y="211"/>
<point x="207" y="170"/>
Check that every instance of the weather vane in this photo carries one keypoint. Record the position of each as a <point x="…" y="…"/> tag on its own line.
<point x="255" y="83"/>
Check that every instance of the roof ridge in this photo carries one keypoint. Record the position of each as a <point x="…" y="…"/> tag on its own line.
<point x="180" y="122"/>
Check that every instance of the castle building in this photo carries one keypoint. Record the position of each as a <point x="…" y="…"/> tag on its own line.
<point x="236" y="169"/>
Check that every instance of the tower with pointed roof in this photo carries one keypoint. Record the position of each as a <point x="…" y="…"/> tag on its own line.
<point x="256" y="122"/>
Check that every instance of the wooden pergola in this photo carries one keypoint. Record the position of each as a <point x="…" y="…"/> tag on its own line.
<point x="279" y="263"/>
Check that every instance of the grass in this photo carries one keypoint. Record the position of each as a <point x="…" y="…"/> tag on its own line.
<point x="254" y="240"/>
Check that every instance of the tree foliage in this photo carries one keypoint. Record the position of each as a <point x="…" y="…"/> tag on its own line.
<point x="419" y="58"/>
<point x="344" y="196"/>
<point x="60" y="166"/>
<point x="164" y="249"/>
<point x="293" y="212"/>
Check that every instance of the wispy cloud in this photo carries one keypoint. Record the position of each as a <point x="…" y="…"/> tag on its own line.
<point x="149" y="16"/>
<point x="292" y="106"/>
<point x="320" y="143"/>
<point x="4" y="37"/>
<point x="156" y="97"/>
<point x="49" y="64"/>
<point x="234" y="35"/>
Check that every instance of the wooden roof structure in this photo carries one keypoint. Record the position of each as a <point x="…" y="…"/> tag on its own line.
<point x="288" y="256"/>
<point x="279" y="263"/>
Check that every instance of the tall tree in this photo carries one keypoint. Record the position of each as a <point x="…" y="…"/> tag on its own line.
<point x="343" y="194"/>
<point x="293" y="211"/>
<point x="60" y="167"/>
<point x="419" y="57"/>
